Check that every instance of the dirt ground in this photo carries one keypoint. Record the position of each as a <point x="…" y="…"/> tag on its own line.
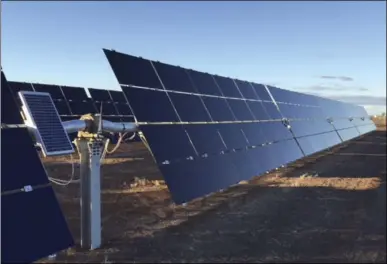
<point x="328" y="208"/>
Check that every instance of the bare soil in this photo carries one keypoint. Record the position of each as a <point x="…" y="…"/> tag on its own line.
<point x="328" y="208"/>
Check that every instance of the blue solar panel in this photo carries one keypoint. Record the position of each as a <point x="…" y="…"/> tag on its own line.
<point x="74" y="93"/>
<point x="174" y="78"/>
<point x="17" y="143"/>
<point x="54" y="90"/>
<point x="32" y="225"/>
<point x="204" y="83"/>
<point x="241" y="132"/>
<point x="227" y="86"/>
<point x="218" y="109"/>
<point x="82" y="107"/>
<point x="246" y="90"/>
<point x="185" y="179"/>
<point x="49" y="131"/>
<point x="107" y="108"/>
<point x="117" y="96"/>
<point x="240" y="110"/>
<point x="99" y="95"/>
<point x="62" y="107"/>
<point x="348" y="134"/>
<point x="258" y="110"/>
<point x="232" y="135"/>
<point x="184" y="105"/>
<point x="161" y="109"/>
<point x="261" y="92"/>
<point x="172" y="135"/>
<point x="205" y="138"/>
<point x="9" y="111"/>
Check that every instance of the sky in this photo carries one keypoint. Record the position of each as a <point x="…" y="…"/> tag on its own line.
<point x="333" y="49"/>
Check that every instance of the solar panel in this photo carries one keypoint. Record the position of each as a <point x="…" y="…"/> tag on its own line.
<point x="10" y="113"/>
<point x="205" y="138"/>
<point x="261" y="92"/>
<point x="207" y="132"/>
<point x="117" y="96"/>
<point x="204" y="83"/>
<point x="19" y="86"/>
<point x="258" y="110"/>
<point x="142" y="75"/>
<point x="74" y="93"/>
<point x="33" y="226"/>
<point x="227" y="86"/>
<point x="246" y="90"/>
<point x="218" y="109"/>
<point x="100" y="95"/>
<point x="123" y="109"/>
<point x="54" y="90"/>
<point x="348" y="134"/>
<point x="17" y="143"/>
<point x="82" y="107"/>
<point x="174" y="78"/>
<point x="108" y="109"/>
<point x="62" y="107"/>
<point x="185" y="103"/>
<point x="46" y="123"/>
<point x="141" y="99"/>
<point x="240" y="110"/>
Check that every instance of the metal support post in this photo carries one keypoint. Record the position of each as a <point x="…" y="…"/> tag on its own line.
<point x="90" y="151"/>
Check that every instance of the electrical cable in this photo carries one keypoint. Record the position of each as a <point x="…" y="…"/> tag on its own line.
<point x="64" y="182"/>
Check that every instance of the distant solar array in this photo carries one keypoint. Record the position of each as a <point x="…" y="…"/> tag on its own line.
<point x="32" y="225"/>
<point x="72" y="102"/>
<point x="208" y="132"/>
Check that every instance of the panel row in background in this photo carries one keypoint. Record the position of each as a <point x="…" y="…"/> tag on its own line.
<point x="74" y="101"/>
<point x="32" y="225"/>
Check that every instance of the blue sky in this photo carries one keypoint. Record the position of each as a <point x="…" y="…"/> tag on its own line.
<point x="335" y="49"/>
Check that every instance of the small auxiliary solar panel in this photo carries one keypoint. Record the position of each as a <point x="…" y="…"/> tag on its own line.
<point x="43" y="119"/>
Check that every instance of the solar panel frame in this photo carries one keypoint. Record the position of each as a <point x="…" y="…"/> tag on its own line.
<point x="30" y="114"/>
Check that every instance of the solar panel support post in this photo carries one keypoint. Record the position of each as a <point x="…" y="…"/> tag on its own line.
<point x="90" y="151"/>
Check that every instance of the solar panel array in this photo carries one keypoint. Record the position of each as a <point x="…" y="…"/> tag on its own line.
<point x="208" y="132"/>
<point x="72" y="102"/>
<point x="32" y="224"/>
